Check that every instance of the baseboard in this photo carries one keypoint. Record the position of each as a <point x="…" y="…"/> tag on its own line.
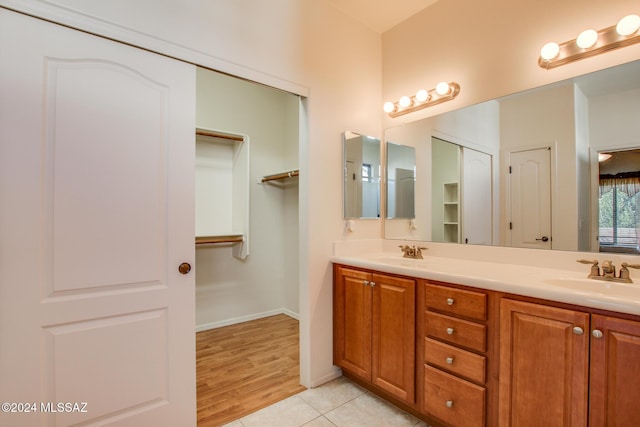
<point x="336" y="373"/>
<point x="235" y="320"/>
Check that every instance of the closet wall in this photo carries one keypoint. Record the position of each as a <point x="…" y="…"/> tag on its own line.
<point x="230" y="290"/>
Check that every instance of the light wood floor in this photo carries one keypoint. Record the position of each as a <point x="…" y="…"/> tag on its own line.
<point x="245" y="367"/>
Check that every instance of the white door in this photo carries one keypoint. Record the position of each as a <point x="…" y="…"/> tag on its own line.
<point x="97" y="212"/>
<point x="530" y="198"/>
<point x="477" y="200"/>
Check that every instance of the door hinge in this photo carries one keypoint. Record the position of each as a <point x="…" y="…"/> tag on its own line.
<point x="510" y="226"/>
<point x="509" y="169"/>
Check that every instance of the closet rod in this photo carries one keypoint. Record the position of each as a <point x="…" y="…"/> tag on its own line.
<point x="281" y="175"/>
<point x="203" y="240"/>
<point x="219" y="135"/>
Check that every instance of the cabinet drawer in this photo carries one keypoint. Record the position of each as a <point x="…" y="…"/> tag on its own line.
<point x="456" y="331"/>
<point x="453" y="400"/>
<point x="455" y="360"/>
<point x="458" y="302"/>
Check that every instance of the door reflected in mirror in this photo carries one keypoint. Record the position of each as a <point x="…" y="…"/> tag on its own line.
<point x="401" y="178"/>
<point x="361" y="176"/>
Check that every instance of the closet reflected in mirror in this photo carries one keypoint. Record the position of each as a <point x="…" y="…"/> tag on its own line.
<point x="401" y="181"/>
<point x="361" y="176"/>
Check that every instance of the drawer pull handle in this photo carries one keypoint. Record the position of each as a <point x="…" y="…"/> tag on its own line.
<point x="450" y="301"/>
<point x="449" y="403"/>
<point x="449" y="331"/>
<point x="449" y="360"/>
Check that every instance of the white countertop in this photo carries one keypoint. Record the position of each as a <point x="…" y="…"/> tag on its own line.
<point x="568" y="286"/>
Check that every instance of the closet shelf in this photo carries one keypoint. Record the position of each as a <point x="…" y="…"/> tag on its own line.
<point x="208" y="240"/>
<point x="281" y="176"/>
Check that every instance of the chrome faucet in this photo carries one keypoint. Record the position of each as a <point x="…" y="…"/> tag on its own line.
<point x="414" y="252"/>
<point x="609" y="271"/>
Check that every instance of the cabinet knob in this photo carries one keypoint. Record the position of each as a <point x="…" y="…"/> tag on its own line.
<point x="366" y="282"/>
<point x="449" y="331"/>
<point x="597" y="333"/>
<point x="372" y="284"/>
<point x="450" y="301"/>
<point x="578" y="330"/>
<point x="449" y="360"/>
<point x="449" y="403"/>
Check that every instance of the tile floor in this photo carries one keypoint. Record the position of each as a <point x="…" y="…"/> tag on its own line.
<point x="339" y="403"/>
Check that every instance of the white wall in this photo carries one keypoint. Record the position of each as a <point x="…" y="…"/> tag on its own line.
<point x="228" y="289"/>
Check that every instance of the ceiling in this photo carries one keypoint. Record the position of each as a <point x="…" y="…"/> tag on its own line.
<point x="381" y="15"/>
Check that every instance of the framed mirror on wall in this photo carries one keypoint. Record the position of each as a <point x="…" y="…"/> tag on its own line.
<point x="362" y="169"/>
<point x="569" y="121"/>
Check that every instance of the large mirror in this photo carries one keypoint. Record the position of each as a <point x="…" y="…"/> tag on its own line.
<point x="525" y="167"/>
<point x="362" y="170"/>
<point x="401" y="165"/>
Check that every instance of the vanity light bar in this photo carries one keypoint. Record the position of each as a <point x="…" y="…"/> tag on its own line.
<point x="422" y="99"/>
<point x="591" y="43"/>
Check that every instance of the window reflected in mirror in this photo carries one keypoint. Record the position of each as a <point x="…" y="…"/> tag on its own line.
<point x="619" y="202"/>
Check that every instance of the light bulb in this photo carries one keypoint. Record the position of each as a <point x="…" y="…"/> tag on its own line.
<point x="422" y="95"/>
<point x="442" y="88"/>
<point x="388" y="107"/>
<point x="587" y="39"/>
<point x="628" y="25"/>
<point x="404" y="101"/>
<point x="549" y="51"/>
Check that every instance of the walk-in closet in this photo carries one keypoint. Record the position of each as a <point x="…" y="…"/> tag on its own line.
<point x="246" y="236"/>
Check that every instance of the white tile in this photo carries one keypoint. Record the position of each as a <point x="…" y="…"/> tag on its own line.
<point x="291" y="412"/>
<point x="369" y="410"/>
<point x="332" y="394"/>
<point x="320" y="422"/>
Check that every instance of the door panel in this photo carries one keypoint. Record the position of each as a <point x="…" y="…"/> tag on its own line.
<point x="614" y="372"/>
<point x="96" y="188"/>
<point x="477" y="199"/>
<point x="530" y="195"/>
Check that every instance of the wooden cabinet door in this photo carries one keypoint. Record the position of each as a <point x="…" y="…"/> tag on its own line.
<point x="543" y="365"/>
<point x="393" y="340"/>
<point x="615" y="372"/>
<point x="352" y="321"/>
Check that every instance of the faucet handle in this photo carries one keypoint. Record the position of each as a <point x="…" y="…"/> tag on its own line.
<point x="587" y="261"/>
<point x="625" y="265"/>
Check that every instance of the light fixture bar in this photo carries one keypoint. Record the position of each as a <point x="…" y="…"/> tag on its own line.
<point x="433" y="98"/>
<point x="608" y="39"/>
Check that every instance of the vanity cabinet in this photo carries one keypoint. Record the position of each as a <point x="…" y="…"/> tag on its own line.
<point x="568" y="366"/>
<point x="544" y="353"/>
<point x="374" y="329"/>
<point x="455" y="355"/>
<point x="614" y="391"/>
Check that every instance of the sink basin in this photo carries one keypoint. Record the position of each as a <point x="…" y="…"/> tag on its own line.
<point x="613" y="289"/>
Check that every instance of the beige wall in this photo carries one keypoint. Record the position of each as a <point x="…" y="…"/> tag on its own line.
<point x="491" y="47"/>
